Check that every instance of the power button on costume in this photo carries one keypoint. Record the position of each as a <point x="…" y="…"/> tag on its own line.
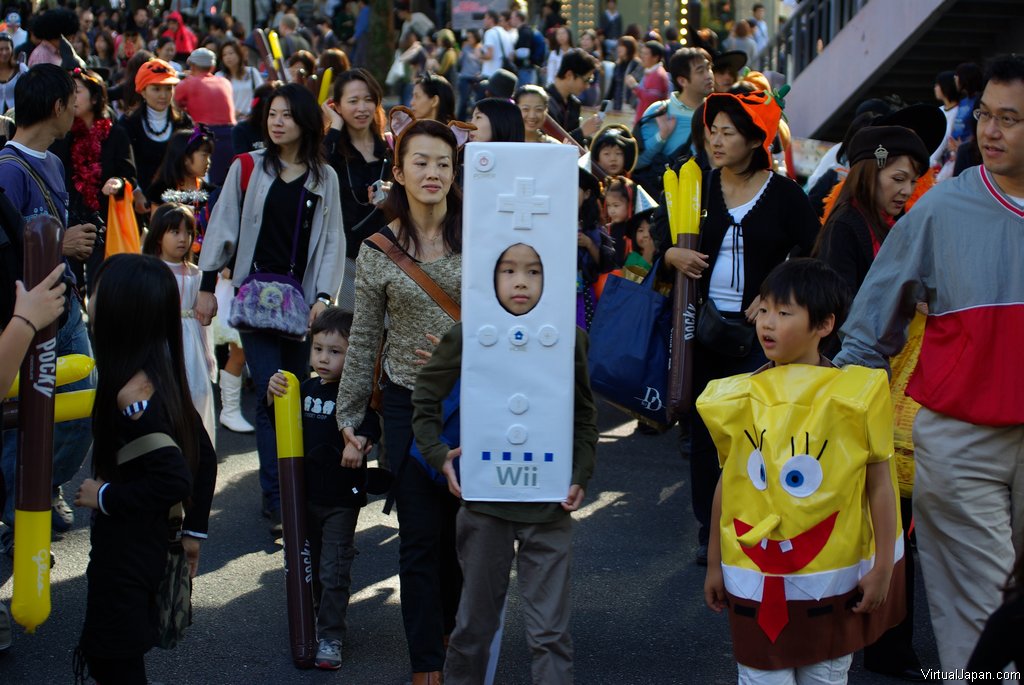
<point x="794" y="443"/>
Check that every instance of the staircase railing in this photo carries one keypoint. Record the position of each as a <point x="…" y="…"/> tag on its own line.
<point x="807" y="32"/>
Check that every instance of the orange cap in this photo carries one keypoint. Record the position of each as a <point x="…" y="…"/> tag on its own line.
<point x="155" y="72"/>
<point x="763" y="107"/>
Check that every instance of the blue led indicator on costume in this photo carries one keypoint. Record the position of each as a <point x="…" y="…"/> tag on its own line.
<point x="548" y="456"/>
<point x="527" y="456"/>
<point x="506" y="456"/>
<point x="486" y="456"/>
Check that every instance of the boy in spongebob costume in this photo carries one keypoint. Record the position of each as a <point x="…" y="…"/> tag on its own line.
<point x="795" y="442"/>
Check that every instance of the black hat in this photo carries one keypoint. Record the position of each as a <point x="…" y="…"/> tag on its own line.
<point x="501" y="84"/>
<point x="883" y="143"/>
<point x="620" y="136"/>
<point x="733" y="60"/>
<point x="927" y="121"/>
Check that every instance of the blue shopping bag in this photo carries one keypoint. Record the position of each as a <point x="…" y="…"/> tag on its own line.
<point x="629" y="348"/>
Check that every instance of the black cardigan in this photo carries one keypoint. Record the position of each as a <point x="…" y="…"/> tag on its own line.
<point x="846" y="246"/>
<point x="148" y="152"/>
<point x="355" y="175"/>
<point x="781" y="224"/>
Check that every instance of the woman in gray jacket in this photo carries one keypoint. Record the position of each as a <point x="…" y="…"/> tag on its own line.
<point x="278" y="213"/>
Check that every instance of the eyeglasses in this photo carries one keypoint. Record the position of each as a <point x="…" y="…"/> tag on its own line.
<point x="1004" y="121"/>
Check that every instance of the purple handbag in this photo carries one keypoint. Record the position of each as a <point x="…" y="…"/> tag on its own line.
<point x="273" y="303"/>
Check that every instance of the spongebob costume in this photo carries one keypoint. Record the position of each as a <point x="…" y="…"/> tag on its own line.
<point x="794" y="443"/>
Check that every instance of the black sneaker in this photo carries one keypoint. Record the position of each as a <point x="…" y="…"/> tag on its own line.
<point x="6" y="634"/>
<point x="63" y="515"/>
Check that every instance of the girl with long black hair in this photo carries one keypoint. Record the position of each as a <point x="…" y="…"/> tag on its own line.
<point x="286" y="220"/>
<point x="143" y="403"/>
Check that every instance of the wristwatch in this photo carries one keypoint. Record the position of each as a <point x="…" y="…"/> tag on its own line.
<point x="325" y="299"/>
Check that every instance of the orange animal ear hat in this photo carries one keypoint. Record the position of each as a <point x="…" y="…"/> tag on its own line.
<point x="401" y="118"/>
<point x="763" y="107"/>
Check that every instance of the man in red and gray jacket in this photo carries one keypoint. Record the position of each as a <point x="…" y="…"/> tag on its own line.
<point x="961" y="250"/>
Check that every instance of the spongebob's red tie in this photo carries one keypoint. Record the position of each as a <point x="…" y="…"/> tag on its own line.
<point x="772" y="615"/>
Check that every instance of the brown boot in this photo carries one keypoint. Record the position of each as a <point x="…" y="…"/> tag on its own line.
<point x="431" y="678"/>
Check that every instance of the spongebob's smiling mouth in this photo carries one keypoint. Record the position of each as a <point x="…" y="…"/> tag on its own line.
<point x="788" y="556"/>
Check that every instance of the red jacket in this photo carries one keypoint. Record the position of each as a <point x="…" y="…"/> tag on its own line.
<point x="184" y="40"/>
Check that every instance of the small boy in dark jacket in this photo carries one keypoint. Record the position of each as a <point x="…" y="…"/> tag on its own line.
<point x="335" y="480"/>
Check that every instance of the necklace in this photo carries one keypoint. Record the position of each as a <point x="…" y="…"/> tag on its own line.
<point x="148" y="127"/>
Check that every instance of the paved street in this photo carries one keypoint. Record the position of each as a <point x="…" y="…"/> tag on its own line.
<point x="638" y="613"/>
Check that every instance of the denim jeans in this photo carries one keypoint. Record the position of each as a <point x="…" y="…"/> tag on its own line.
<point x="266" y="354"/>
<point x="332" y="543"/>
<point x="71" y="439"/>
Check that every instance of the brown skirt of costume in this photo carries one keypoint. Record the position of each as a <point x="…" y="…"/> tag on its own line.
<point x="817" y="630"/>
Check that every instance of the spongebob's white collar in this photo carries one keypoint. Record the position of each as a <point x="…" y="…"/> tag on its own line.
<point x="748" y="584"/>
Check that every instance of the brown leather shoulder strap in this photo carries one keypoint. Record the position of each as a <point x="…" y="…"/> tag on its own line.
<point x="404" y="262"/>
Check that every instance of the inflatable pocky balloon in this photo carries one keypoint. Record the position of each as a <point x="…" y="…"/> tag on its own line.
<point x="794" y="442"/>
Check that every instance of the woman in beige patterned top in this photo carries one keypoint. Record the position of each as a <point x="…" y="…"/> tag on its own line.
<point x="428" y="226"/>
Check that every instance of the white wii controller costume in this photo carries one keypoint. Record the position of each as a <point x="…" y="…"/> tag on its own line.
<point x="518" y="371"/>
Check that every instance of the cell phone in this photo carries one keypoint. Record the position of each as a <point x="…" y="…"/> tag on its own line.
<point x="605" y="106"/>
<point x="379" y="194"/>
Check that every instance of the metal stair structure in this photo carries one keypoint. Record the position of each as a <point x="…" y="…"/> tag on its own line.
<point x="837" y="53"/>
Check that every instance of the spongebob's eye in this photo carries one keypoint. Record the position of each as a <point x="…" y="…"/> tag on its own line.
<point x="801" y="475"/>
<point x="755" y="470"/>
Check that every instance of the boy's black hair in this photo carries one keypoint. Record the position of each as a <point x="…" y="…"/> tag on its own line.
<point x="812" y="284"/>
<point x="38" y="90"/>
<point x="576" y="62"/>
<point x="656" y="48"/>
<point x="332" y="320"/>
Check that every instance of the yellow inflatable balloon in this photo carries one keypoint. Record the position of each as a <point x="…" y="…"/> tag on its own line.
<point x="70" y="369"/>
<point x="796" y="535"/>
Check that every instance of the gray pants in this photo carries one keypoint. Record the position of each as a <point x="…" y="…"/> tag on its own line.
<point x="331" y="532"/>
<point x="486" y="547"/>
<point x="969" y="512"/>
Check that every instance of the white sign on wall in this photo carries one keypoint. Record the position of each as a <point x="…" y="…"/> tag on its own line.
<point x="518" y="371"/>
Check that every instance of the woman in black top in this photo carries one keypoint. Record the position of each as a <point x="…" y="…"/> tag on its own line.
<point x="142" y="393"/>
<point x="97" y="157"/>
<point x="151" y="125"/>
<point x="355" y="147"/>
<point x="755" y="219"/>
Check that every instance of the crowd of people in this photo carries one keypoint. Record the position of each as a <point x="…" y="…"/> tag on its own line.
<point x="347" y="218"/>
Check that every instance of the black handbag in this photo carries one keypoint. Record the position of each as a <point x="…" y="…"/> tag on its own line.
<point x="728" y="336"/>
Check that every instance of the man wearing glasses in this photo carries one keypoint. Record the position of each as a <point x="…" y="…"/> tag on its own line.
<point x="575" y="74"/>
<point x="961" y="250"/>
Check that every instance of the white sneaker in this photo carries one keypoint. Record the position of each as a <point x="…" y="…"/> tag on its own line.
<point x="328" y="655"/>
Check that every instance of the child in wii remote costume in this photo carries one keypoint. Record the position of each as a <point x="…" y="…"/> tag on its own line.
<point x="528" y="420"/>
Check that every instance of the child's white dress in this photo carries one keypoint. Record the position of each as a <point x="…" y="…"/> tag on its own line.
<point x="200" y="367"/>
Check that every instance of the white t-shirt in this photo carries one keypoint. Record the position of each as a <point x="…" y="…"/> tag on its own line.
<point x="1019" y="201"/>
<point x="242" y="89"/>
<point x="726" y="284"/>
<point x="498" y="40"/>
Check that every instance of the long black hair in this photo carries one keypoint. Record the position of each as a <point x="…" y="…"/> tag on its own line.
<point x="397" y="205"/>
<point x="136" y="327"/>
<point x="307" y="116"/>
<point x="437" y="86"/>
<point x="181" y="145"/>
<point x="506" y="120"/>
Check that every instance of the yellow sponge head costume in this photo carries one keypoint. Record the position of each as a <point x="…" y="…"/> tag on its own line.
<point x="794" y="442"/>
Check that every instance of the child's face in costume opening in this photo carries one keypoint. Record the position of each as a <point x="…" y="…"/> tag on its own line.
<point x="519" y="279"/>
<point x="175" y="243"/>
<point x="785" y="332"/>
<point x="327" y="355"/>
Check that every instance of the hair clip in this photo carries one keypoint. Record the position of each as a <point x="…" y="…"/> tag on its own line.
<point x="881" y="156"/>
<point x="201" y="131"/>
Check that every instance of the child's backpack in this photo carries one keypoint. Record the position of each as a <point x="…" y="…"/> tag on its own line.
<point x="449" y="435"/>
